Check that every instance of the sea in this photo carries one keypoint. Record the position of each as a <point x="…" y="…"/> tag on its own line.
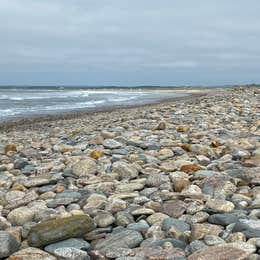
<point x="25" y="102"/>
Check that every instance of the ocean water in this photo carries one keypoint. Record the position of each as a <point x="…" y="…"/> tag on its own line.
<point x="26" y="102"/>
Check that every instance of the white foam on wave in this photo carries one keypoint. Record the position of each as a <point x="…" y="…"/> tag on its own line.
<point x="121" y="99"/>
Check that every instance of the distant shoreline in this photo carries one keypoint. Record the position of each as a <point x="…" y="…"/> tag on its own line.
<point x="73" y="114"/>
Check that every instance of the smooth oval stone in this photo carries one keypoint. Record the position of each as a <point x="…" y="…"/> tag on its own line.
<point x="223" y="219"/>
<point x="55" y="230"/>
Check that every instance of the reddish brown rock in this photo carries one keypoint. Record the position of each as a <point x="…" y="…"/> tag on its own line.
<point x="10" y="148"/>
<point x="186" y="147"/>
<point x="216" y="144"/>
<point x="191" y="168"/>
<point x="96" y="154"/>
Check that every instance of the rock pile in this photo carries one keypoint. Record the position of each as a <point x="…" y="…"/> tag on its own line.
<point x="178" y="180"/>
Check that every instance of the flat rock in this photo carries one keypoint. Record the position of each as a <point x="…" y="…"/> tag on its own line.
<point x="174" y="208"/>
<point x="31" y="253"/>
<point x="72" y="242"/>
<point x="70" y="253"/>
<point x="111" y="144"/>
<point x="51" y="231"/>
<point x="35" y="182"/>
<point x="223" y="219"/>
<point x="199" y="231"/>
<point x="125" y="239"/>
<point x="219" y="252"/>
<point x="178" y="224"/>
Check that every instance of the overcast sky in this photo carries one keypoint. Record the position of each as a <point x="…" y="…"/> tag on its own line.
<point x="129" y="42"/>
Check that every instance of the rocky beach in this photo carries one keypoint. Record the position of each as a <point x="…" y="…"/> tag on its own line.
<point x="169" y="181"/>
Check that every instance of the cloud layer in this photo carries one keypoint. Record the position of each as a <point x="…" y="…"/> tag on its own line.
<point x="89" y="42"/>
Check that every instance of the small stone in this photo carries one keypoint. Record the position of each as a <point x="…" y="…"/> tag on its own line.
<point x="165" y="153"/>
<point x="125" y="239"/>
<point x="13" y="196"/>
<point x="142" y="211"/>
<point x="216" y="143"/>
<point x="235" y="237"/>
<point x="212" y="240"/>
<point x="142" y="226"/>
<point x="178" y="224"/>
<point x="160" y="126"/>
<point x="20" y="216"/>
<point x="174" y="208"/>
<point x="4" y="224"/>
<point x="125" y="170"/>
<point x="129" y="187"/>
<point x="195" y="246"/>
<point x="199" y="231"/>
<point x="111" y="144"/>
<point x="183" y="128"/>
<point x="72" y="242"/>
<point x="220" y="205"/>
<point x="114" y="205"/>
<point x="10" y="148"/>
<point x="156" y="217"/>
<point x="96" y="154"/>
<point x="104" y="219"/>
<point x="8" y="244"/>
<point x="180" y="184"/>
<point x="190" y="168"/>
<point x="35" y="182"/>
<point x="86" y="167"/>
<point x="223" y="219"/>
<point x="70" y="253"/>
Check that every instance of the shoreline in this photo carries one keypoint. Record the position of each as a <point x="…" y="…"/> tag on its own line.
<point x="74" y="114"/>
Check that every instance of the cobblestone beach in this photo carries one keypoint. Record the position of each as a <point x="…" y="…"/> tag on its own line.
<point x="177" y="180"/>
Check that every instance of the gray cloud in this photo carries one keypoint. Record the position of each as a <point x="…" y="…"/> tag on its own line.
<point x="129" y="42"/>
